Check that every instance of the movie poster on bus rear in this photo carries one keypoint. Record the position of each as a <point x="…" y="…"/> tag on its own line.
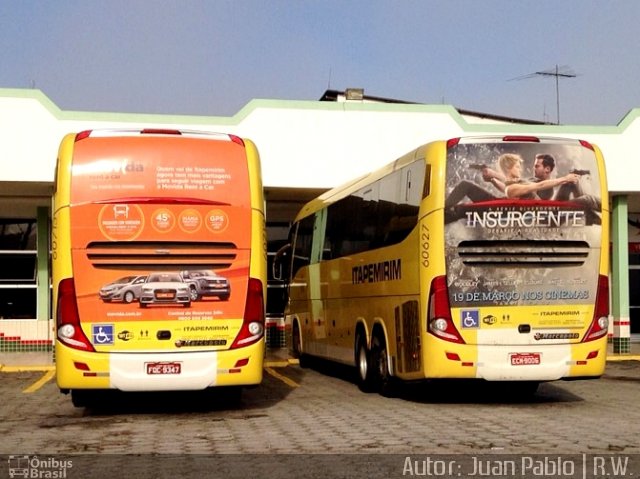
<point x="523" y="223"/>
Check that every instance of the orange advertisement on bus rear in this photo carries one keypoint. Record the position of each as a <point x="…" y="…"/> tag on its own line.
<point x="160" y="228"/>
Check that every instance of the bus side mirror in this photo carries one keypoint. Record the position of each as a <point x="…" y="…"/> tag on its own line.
<point x="281" y="263"/>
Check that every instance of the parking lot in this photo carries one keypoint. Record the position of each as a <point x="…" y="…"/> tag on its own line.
<point x="320" y="410"/>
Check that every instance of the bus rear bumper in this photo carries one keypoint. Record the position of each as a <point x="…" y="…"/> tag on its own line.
<point x="159" y="371"/>
<point x="532" y="362"/>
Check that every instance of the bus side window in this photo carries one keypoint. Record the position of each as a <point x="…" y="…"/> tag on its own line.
<point x="282" y="263"/>
<point x="400" y="206"/>
<point x="426" y="189"/>
<point x="326" y="250"/>
<point x="302" y="245"/>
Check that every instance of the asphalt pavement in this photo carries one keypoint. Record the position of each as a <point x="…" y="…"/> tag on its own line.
<point x="274" y="357"/>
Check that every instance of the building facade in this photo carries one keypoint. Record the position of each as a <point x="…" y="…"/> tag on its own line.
<point x="306" y="147"/>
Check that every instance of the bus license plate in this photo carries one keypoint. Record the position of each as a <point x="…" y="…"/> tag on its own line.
<point x="163" y="368"/>
<point x="525" y="359"/>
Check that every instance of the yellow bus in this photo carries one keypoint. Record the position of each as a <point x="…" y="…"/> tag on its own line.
<point x="159" y="262"/>
<point x="448" y="263"/>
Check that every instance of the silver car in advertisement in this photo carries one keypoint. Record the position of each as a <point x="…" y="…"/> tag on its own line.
<point x="205" y="282"/>
<point x="126" y="289"/>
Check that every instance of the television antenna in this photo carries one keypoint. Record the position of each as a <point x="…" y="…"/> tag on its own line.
<point x="558" y="72"/>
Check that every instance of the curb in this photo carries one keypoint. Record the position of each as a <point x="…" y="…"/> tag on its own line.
<point x="23" y="369"/>
<point x="624" y="357"/>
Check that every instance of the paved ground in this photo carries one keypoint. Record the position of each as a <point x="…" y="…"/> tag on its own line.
<point x="9" y="361"/>
<point x="306" y="412"/>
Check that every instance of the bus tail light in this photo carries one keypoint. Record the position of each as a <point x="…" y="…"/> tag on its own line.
<point x="586" y="144"/>
<point x="452" y="142"/>
<point x="252" y="329"/>
<point x="600" y="323"/>
<point x="160" y="131"/>
<point x="237" y="139"/>
<point x="439" y="321"/>
<point x="82" y="135"/>
<point x="521" y="138"/>
<point x="69" y="331"/>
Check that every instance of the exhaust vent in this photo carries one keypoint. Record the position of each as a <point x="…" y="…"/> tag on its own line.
<point x="161" y="255"/>
<point x="523" y="253"/>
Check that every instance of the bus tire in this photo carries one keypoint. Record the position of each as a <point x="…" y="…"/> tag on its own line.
<point x="385" y="383"/>
<point x="296" y="346"/>
<point x="523" y="389"/>
<point x="365" y="373"/>
<point x="232" y="395"/>
<point x="226" y="396"/>
<point x="82" y="397"/>
<point x="510" y="390"/>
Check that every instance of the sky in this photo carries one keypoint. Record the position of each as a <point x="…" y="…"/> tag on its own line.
<point x="211" y="57"/>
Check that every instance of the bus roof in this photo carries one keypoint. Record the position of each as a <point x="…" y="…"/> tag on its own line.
<point x="119" y="132"/>
<point x="344" y="190"/>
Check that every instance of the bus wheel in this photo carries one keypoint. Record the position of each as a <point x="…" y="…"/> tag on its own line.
<point x="296" y="346"/>
<point x="384" y="382"/>
<point x="82" y="397"/>
<point x="365" y="372"/>
<point x="511" y="390"/>
<point x="523" y="389"/>
<point x="232" y="395"/>
<point x="225" y="396"/>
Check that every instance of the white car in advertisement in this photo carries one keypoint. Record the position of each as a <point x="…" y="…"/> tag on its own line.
<point x="165" y="288"/>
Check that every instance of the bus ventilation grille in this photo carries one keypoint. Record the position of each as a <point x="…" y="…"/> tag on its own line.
<point x="523" y="253"/>
<point x="408" y="337"/>
<point x="161" y="255"/>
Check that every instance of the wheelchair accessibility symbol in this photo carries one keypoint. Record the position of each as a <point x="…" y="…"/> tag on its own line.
<point x="470" y="318"/>
<point x="102" y="333"/>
